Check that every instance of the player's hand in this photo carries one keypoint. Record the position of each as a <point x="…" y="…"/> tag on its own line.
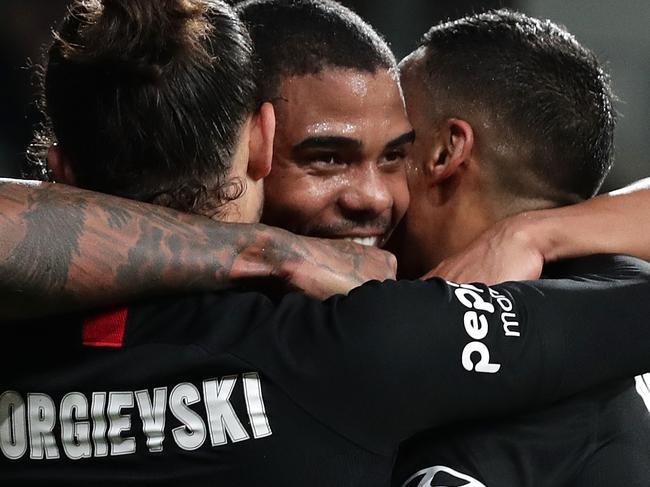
<point x="505" y="252"/>
<point x="322" y="268"/>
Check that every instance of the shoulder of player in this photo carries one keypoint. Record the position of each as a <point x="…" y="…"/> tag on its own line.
<point x="203" y="318"/>
<point x="228" y="317"/>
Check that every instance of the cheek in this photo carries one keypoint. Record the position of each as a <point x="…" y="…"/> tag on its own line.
<point x="411" y="175"/>
<point x="400" y="191"/>
<point x="297" y="199"/>
<point x="414" y="170"/>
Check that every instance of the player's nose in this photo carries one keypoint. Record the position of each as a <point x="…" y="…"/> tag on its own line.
<point x="367" y="195"/>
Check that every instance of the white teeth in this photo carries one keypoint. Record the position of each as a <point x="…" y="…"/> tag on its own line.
<point x="368" y="241"/>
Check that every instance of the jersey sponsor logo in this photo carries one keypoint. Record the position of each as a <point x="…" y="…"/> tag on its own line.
<point x="102" y="425"/>
<point x="476" y="355"/>
<point x="440" y="476"/>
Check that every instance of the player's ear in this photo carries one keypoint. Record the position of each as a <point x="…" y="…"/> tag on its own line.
<point x="453" y="147"/>
<point x="59" y="164"/>
<point x="260" y="144"/>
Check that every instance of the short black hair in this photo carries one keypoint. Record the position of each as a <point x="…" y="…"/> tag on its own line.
<point x="548" y="96"/>
<point x="147" y="98"/>
<point x="302" y="37"/>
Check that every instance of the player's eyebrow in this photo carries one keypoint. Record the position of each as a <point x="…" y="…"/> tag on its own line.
<point x="406" y="138"/>
<point x="331" y="142"/>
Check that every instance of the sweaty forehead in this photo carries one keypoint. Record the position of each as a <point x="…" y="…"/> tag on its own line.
<point x="340" y="102"/>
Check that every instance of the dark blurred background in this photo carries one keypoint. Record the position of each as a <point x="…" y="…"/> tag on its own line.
<point x="616" y="30"/>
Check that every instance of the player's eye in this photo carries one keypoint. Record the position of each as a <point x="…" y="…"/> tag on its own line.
<point x="394" y="157"/>
<point x="330" y="159"/>
<point x="325" y="160"/>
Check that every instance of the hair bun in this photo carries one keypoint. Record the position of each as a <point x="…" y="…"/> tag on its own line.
<point x="136" y="37"/>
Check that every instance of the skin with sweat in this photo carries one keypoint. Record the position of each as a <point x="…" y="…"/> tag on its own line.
<point x="449" y="205"/>
<point x="341" y="144"/>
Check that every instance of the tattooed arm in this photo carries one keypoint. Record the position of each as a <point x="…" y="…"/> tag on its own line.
<point x="63" y="249"/>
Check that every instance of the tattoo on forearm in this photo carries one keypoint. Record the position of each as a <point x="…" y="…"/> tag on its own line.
<point x="81" y="249"/>
<point x="116" y="217"/>
<point x="78" y="245"/>
<point x="51" y="229"/>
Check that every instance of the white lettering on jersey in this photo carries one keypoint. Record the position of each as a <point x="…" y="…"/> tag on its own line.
<point x="75" y="433"/>
<point x="153" y="416"/>
<point x="643" y="389"/>
<point x="483" y="365"/>
<point x="13" y="425"/>
<point x="476" y="326"/>
<point x="118" y="422"/>
<point x="100" y="426"/>
<point x="427" y="478"/>
<point x="508" y="319"/>
<point x="255" y="405"/>
<point x="510" y="326"/>
<point x="191" y="435"/>
<point x="41" y="418"/>
<point x="221" y="416"/>
<point x="465" y="291"/>
<point x="505" y="303"/>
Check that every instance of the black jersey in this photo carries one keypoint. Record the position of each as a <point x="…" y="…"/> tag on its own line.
<point x="596" y="439"/>
<point x="235" y="389"/>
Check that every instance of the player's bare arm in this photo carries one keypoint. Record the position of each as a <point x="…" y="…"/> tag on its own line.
<point x="64" y="249"/>
<point x="517" y="247"/>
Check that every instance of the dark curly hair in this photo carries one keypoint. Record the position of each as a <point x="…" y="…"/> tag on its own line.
<point x="147" y="99"/>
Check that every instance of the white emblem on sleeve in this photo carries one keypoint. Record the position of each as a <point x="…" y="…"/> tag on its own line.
<point x="438" y="476"/>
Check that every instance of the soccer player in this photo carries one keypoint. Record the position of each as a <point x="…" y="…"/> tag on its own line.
<point x="342" y="134"/>
<point x="345" y="203"/>
<point x="338" y="169"/>
<point x="537" y="134"/>
<point x="234" y="386"/>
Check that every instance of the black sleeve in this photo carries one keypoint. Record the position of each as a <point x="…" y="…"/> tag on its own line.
<point x="394" y="358"/>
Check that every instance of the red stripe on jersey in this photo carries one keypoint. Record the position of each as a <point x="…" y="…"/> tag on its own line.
<point x="105" y="329"/>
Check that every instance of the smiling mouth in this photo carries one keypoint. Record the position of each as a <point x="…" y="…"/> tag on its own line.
<point x="368" y="241"/>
